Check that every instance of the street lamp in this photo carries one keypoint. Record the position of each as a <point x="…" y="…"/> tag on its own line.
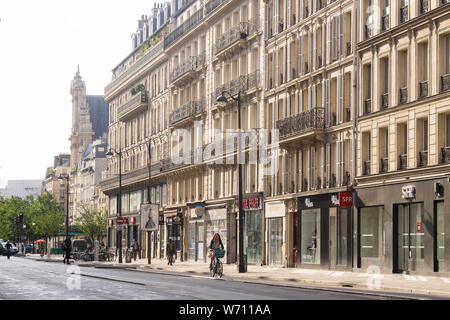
<point x="119" y="202"/>
<point x="66" y="177"/>
<point x="222" y="99"/>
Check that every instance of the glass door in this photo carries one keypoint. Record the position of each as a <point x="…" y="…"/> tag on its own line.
<point x="275" y="241"/>
<point x="333" y="239"/>
<point x="342" y="235"/>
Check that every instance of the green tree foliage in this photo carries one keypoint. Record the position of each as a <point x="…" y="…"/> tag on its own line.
<point x="9" y="210"/>
<point x="48" y="216"/>
<point x="93" y="223"/>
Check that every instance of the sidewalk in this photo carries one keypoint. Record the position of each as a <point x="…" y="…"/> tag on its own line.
<point x="424" y="285"/>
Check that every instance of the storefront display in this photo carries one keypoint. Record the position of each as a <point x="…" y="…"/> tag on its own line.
<point x="216" y="222"/>
<point x="274" y="214"/>
<point x="371" y="231"/>
<point x="310" y="236"/>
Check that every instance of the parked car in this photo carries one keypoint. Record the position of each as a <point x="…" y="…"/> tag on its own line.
<point x="13" y="249"/>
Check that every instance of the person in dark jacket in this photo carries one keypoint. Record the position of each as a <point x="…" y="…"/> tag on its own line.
<point x="8" y="248"/>
<point x="171" y="249"/>
<point x="67" y="249"/>
<point x="216" y="244"/>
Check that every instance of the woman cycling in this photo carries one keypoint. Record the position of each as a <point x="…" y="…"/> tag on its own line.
<point x="215" y="245"/>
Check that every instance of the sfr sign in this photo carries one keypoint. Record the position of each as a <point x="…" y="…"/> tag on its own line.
<point x="345" y="199"/>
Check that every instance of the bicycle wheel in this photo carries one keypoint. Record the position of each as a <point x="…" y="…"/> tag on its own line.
<point x="219" y="269"/>
<point x="212" y="269"/>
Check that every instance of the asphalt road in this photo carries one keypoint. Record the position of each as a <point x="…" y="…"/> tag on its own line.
<point x="27" y="279"/>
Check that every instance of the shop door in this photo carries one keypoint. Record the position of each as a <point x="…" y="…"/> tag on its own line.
<point x="275" y="241"/>
<point x="200" y="254"/>
<point x="333" y="237"/>
<point x="410" y="236"/>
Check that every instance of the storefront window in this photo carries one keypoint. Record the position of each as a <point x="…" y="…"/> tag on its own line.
<point x="125" y="203"/>
<point x="112" y="205"/>
<point x="417" y="231"/>
<point x="371" y="231"/>
<point x="440" y="230"/>
<point x="162" y="242"/>
<point x="164" y="194"/>
<point x="310" y="236"/>
<point x="216" y="226"/>
<point x="191" y="241"/>
<point x="275" y="226"/>
<point x="253" y="236"/>
<point x="342" y="236"/>
<point x="158" y="194"/>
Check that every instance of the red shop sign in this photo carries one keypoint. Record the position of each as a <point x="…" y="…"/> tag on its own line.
<point x="345" y="199"/>
<point x="249" y="204"/>
<point x="133" y="220"/>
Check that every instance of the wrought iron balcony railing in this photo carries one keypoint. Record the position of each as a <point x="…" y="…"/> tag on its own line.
<point x="367" y="106"/>
<point x="402" y="162"/>
<point x="384" y="100"/>
<point x="184" y="28"/>
<point x="404" y="14"/>
<point x="403" y="95"/>
<point x="191" y="64"/>
<point x="243" y="84"/>
<point x="423" y="6"/>
<point x="137" y="101"/>
<point x="302" y="122"/>
<point x="445" y="154"/>
<point x="383" y="165"/>
<point x="190" y="109"/>
<point x="211" y="5"/>
<point x="240" y="32"/>
<point x="423" y="158"/>
<point x="423" y="89"/>
<point x="445" y="82"/>
<point x="385" y="22"/>
<point x="366" y="168"/>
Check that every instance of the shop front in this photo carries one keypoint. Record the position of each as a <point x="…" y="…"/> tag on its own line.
<point x="174" y="228"/>
<point x="217" y="221"/>
<point x="275" y="212"/>
<point x="404" y="227"/>
<point x="253" y="229"/>
<point x="324" y="231"/>
<point x="196" y="239"/>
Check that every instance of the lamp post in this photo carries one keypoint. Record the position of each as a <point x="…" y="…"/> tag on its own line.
<point x="119" y="202"/>
<point x="66" y="177"/>
<point x="242" y="264"/>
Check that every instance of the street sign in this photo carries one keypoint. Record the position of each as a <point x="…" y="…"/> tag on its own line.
<point x="121" y="220"/>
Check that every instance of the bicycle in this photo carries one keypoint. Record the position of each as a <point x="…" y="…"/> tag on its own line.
<point x="216" y="269"/>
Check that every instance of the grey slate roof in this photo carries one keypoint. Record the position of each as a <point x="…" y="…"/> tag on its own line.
<point x="99" y="112"/>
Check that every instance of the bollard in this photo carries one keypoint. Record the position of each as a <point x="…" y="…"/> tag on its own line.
<point x="96" y="250"/>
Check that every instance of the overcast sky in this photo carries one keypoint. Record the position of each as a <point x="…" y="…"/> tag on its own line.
<point x="41" y="43"/>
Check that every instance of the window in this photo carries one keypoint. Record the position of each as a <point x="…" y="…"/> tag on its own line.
<point x="310" y="236"/>
<point x="447" y="54"/>
<point x="371" y="224"/>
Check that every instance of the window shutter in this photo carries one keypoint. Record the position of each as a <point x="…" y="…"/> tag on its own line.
<point x="301" y="9"/>
<point x="309" y="51"/>
<point x="341" y="98"/>
<point x="300" y="55"/>
<point x="315" y="49"/>
<point x="336" y="164"/>
<point x="341" y="162"/>
<point x="334" y="41"/>
<point x="288" y="17"/>
<point x="328" y="47"/>
<point x="276" y="75"/>
<point x="309" y="97"/>
<point x="328" y="159"/>
<point x="266" y="22"/>
<point x="341" y="36"/>
<point x="275" y="21"/>
<point x="350" y="156"/>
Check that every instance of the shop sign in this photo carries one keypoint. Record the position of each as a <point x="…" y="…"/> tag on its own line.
<point x="408" y="192"/>
<point x="132" y="220"/>
<point x="345" y="199"/>
<point x="250" y="204"/>
<point x="309" y="203"/>
<point x="274" y="209"/>
<point x="419" y="227"/>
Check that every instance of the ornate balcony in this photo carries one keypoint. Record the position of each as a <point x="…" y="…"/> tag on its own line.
<point x="184" y="28"/>
<point x="402" y="162"/>
<point x="423" y="89"/>
<point x="187" y="112"/>
<point x="367" y="106"/>
<point x="445" y="154"/>
<point x="136" y="105"/>
<point x="445" y="82"/>
<point x="245" y="84"/>
<point x="423" y="6"/>
<point x="236" y="38"/>
<point x="423" y="158"/>
<point x="305" y="123"/>
<point x="212" y="5"/>
<point x="366" y="168"/>
<point x="383" y="165"/>
<point x="385" y="22"/>
<point x="384" y="101"/>
<point x="404" y="14"/>
<point x="186" y="71"/>
<point x="403" y="95"/>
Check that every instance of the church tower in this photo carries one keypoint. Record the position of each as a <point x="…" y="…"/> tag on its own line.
<point x="82" y="131"/>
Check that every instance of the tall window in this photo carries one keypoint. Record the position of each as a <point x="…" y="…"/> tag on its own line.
<point x="447" y="54"/>
<point x="371" y="226"/>
<point x="447" y="127"/>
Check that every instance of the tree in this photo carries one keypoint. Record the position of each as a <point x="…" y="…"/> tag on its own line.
<point x="93" y="222"/>
<point x="9" y="210"/>
<point x="48" y="216"/>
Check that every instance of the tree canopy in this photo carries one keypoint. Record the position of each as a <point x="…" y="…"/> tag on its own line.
<point x="92" y="222"/>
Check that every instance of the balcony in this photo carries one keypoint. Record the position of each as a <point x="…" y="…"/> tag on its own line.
<point x="366" y="168"/>
<point x="244" y="84"/>
<point x="402" y="162"/>
<point x="385" y="22"/>
<point x="423" y="89"/>
<point x="349" y="48"/>
<point x="445" y="154"/>
<point x="212" y="5"/>
<point x="384" y="101"/>
<point x="403" y="95"/>
<point x="367" y="106"/>
<point x="186" y="71"/>
<point x="423" y="6"/>
<point x="306" y="122"/>
<point x="236" y="38"/>
<point x="184" y="28"/>
<point x="346" y="181"/>
<point x="136" y="105"/>
<point x="403" y="14"/>
<point x="187" y="112"/>
<point x="445" y="82"/>
<point x="423" y="158"/>
<point x="383" y="165"/>
<point x="147" y="57"/>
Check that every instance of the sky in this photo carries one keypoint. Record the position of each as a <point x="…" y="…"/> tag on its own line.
<point x="41" y="44"/>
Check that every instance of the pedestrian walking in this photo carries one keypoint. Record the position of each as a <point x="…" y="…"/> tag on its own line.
<point x="136" y="249"/>
<point x="170" y="249"/>
<point x="8" y="249"/>
<point x="67" y="249"/>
